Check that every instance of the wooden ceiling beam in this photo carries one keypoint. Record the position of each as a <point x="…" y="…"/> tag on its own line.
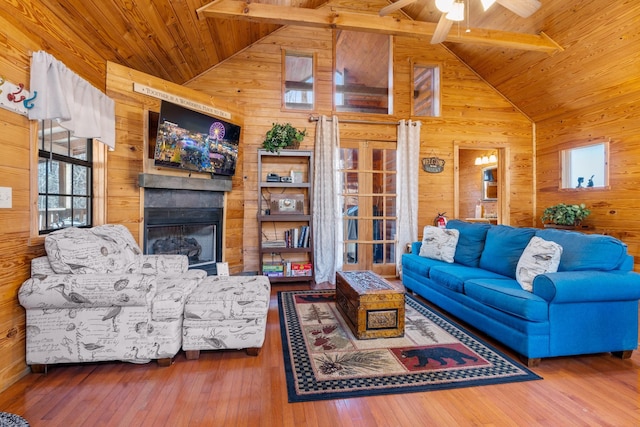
<point x="347" y="20"/>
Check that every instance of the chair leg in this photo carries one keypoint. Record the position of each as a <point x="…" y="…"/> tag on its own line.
<point x="253" y="351"/>
<point x="192" y="354"/>
<point x="165" y="361"/>
<point x="39" y="369"/>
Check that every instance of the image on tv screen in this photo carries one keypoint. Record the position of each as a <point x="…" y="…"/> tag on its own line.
<point x="194" y="141"/>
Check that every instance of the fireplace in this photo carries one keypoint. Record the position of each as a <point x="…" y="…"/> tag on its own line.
<point x="180" y="220"/>
<point x="194" y="232"/>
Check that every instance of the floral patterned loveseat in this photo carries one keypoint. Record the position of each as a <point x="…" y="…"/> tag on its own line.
<point x="96" y="297"/>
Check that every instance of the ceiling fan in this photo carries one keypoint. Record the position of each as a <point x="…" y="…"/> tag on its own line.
<point x="453" y="11"/>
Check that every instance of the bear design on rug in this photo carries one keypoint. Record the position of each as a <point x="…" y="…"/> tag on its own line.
<point x="438" y="354"/>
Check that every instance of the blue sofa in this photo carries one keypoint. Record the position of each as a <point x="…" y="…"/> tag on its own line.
<point x="590" y="305"/>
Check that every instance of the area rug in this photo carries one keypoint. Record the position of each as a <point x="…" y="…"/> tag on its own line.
<point x="324" y="361"/>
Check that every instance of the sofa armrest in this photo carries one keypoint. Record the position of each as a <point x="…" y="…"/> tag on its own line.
<point x="87" y="290"/>
<point x="415" y="248"/>
<point x="587" y="286"/>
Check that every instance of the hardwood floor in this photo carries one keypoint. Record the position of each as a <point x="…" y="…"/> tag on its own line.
<point x="229" y="388"/>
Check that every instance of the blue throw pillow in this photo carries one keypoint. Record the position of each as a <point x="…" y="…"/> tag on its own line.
<point x="503" y="247"/>
<point x="470" y="241"/>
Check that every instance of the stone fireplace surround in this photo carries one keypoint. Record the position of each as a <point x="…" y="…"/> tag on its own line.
<point x="192" y="204"/>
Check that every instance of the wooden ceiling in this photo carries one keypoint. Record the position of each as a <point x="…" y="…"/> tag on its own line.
<point x="168" y="39"/>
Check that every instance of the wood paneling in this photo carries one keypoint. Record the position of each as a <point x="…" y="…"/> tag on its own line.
<point x="125" y="198"/>
<point x="472" y="111"/>
<point x="613" y="210"/>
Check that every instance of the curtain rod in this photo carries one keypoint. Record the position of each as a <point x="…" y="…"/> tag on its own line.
<point x="362" y="122"/>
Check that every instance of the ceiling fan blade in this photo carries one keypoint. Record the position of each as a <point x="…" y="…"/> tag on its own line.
<point x="395" y="6"/>
<point x="442" y="29"/>
<point x="524" y="8"/>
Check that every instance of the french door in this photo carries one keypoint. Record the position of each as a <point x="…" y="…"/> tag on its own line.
<point x="368" y="182"/>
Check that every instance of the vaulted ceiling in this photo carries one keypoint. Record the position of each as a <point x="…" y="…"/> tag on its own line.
<point x="599" y="59"/>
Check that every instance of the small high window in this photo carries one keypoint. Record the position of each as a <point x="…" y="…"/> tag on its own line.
<point x="426" y="90"/>
<point x="298" y="79"/>
<point x="586" y="166"/>
<point x="65" y="171"/>
<point x="362" y="72"/>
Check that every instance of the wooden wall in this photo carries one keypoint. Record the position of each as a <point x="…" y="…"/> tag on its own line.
<point x="473" y="115"/>
<point x="124" y="196"/>
<point x="614" y="210"/>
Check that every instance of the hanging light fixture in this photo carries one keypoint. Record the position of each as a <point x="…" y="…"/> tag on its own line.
<point x="493" y="158"/>
<point x="457" y="11"/>
<point x="478" y="161"/>
<point x="444" y="6"/>
<point x="486" y="4"/>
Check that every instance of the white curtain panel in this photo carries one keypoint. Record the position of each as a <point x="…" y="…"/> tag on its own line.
<point x="327" y="200"/>
<point x="408" y="153"/>
<point x="64" y="96"/>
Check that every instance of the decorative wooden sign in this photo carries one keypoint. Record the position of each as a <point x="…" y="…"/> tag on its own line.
<point x="165" y="96"/>
<point x="433" y="164"/>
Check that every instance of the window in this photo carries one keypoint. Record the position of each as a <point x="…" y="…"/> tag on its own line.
<point x="64" y="178"/>
<point x="298" y="80"/>
<point x="426" y="90"/>
<point x="362" y="72"/>
<point x="586" y="166"/>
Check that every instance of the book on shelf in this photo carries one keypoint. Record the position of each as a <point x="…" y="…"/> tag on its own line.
<point x="287" y="269"/>
<point x="297" y="237"/>
<point x="274" y="244"/>
<point x="273" y="269"/>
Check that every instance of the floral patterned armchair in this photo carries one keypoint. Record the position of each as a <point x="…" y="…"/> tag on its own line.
<point x="96" y="297"/>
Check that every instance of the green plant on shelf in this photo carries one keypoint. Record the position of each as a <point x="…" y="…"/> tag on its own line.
<point x="283" y="136"/>
<point x="563" y="214"/>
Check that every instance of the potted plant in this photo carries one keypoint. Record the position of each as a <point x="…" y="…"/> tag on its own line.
<point x="283" y="136"/>
<point x="564" y="215"/>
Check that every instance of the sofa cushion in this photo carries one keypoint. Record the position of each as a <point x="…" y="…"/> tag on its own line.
<point x="503" y="247"/>
<point x="104" y="249"/>
<point x="586" y="251"/>
<point x="439" y="243"/>
<point x="419" y="265"/>
<point x="470" y="242"/>
<point x="507" y="296"/>
<point x="540" y="256"/>
<point x="453" y="276"/>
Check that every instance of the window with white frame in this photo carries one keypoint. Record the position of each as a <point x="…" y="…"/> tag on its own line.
<point x="586" y="166"/>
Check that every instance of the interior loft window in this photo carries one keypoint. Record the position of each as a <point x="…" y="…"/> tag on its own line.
<point x="65" y="171"/>
<point x="426" y="90"/>
<point x="586" y="166"/>
<point x="362" y="72"/>
<point x="298" y="90"/>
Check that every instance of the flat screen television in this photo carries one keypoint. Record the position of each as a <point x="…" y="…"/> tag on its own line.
<point x="194" y="141"/>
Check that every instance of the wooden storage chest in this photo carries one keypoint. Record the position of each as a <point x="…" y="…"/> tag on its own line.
<point x="370" y="305"/>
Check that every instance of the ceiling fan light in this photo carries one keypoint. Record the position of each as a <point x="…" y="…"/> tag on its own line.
<point x="444" y="6"/>
<point x="457" y="12"/>
<point x="486" y="4"/>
